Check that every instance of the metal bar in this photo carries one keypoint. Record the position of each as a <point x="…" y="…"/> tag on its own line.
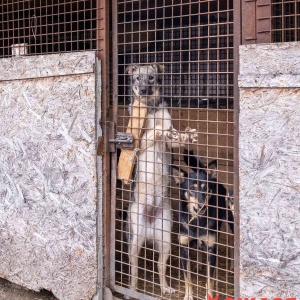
<point x="103" y="55"/>
<point x="237" y="42"/>
<point x="131" y="293"/>
<point x="115" y="120"/>
<point x="100" y="219"/>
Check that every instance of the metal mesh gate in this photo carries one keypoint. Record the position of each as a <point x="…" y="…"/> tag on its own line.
<point x="50" y="26"/>
<point x="285" y="21"/>
<point x="193" y="40"/>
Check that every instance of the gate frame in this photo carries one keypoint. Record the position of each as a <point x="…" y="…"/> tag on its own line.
<point x="103" y="230"/>
<point x="237" y="21"/>
<point x="237" y="34"/>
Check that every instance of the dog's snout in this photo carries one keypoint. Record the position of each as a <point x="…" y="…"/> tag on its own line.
<point x="193" y="194"/>
<point x="143" y="90"/>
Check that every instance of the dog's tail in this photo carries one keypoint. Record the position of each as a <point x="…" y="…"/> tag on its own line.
<point x="191" y="161"/>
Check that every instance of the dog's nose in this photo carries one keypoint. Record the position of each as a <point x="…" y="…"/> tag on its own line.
<point x="143" y="90"/>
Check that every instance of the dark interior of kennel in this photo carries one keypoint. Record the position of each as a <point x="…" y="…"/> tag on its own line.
<point x="194" y="41"/>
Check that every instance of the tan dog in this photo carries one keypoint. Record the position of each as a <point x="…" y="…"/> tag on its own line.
<point x="149" y="215"/>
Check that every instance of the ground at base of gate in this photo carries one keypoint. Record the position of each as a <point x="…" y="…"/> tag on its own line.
<point x="9" y="291"/>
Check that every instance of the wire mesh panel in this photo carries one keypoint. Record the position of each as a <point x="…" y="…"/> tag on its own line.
<point x="35" y="27"/>
<point x="285" y="20"/>
<point x="173" y="228"/>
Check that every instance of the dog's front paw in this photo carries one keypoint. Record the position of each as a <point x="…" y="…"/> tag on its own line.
<point x="168" y="289"/>
<point x="188" y="297"/>
<point x="191" y="135"/>
<point x="172" y="134"/>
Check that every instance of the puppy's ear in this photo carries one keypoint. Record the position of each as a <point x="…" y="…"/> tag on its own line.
<point x="178" y="175"/>
<point x="230" y="193"/>
<point x="212" y="169"/>
<point x="130" y="69"/>
<point x="192" y="161"/>
<point x="159" y="68"/>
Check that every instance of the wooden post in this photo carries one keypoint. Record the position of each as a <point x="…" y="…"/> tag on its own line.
<point x="135" y="126"/>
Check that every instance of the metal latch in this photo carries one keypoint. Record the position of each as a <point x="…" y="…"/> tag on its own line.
<point x="123" y="140"/>
<point x="110" y="140"/>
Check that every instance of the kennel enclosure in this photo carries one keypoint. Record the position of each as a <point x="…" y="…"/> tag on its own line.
<point x="194" y="42"/>
<point x="242" y="101"/>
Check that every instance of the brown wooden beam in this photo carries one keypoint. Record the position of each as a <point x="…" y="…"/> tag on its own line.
<point x="256" y="21"/>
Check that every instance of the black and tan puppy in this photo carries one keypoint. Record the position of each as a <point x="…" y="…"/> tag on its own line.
<point x="203" y="208"/>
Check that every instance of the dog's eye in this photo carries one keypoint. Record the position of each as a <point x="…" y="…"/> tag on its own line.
<point x="151" y="77"/>
<point x="138" y="78"/>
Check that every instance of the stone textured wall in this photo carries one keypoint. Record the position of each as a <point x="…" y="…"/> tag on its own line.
<point x="48" y="182"/>
<point x="269" y="156"/>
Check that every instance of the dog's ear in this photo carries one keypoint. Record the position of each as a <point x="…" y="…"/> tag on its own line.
<point x="178" y="175"/>
<point x="159" y="68"/>
<point x="212" y="169"/>
<point x="130" y="69"/>
<point x="230" y="193"/>
<point x="192" y="161"/>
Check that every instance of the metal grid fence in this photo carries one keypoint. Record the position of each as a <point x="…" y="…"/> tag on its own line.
<point x="193" y="40"/>
<point x="37" y="27"/>
<point x="285" y="21"/>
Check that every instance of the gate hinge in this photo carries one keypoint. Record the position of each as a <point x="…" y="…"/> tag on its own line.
<point x="110" y="140"/>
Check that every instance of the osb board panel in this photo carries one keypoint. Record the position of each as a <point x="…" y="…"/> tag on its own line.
<point x="269" y="154"/>
<point x="48" y="183"/>
<point x="23" y="67"/>
<point x="270" y="65"/>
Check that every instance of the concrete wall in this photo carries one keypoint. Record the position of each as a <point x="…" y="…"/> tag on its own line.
<point x="48" y="181"/>
<point x="270" y="170"/>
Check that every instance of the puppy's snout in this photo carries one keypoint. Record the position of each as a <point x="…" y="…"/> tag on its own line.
<point x="193" y="194"/>
<point x="143" y="90"/>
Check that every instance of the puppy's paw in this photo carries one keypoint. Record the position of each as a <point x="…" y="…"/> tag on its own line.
<point x="168" y="289"/>
<point x="172" y="134"/>
<point x="190" y="135"/>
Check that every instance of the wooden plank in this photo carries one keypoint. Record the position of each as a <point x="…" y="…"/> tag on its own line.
<point x="135" y="126"/>
<point x="256" y="21"/>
